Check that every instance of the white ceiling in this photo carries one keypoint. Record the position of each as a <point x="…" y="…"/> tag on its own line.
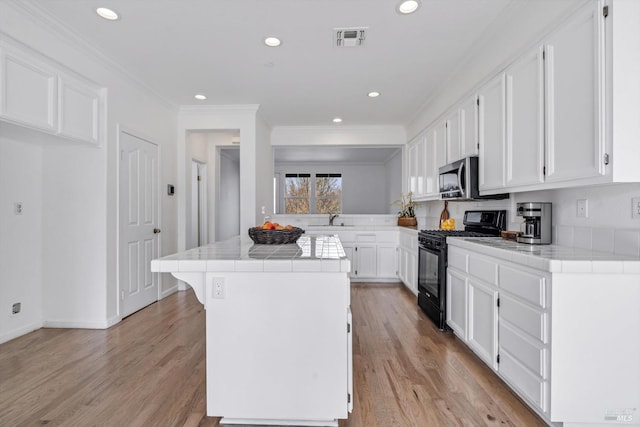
<point x="183" y="47"/>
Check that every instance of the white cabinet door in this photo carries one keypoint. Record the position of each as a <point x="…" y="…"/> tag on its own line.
<point x="420" y="167"/>
<point x="386" y="262"/>
<point x="349" y="252"/>
<point x="525" y="120"/>
<point x="575" y="141"/>
<point x="469" y="127"/>
<point x="366" y="261"/>
<point x="457" y="303"/>
<point x="412" y="271"/>
<point x="452" y="132"/>
<point x="492" y="134"/>
<point x="483" y="322"/>
<point x="79" y="109"/>
<point x="435" y="156"/>
<point x="412" y="162"/>
<point x="27" y="91"/>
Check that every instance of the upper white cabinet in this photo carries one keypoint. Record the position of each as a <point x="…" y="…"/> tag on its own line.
<point x="452" y="136"/>
<point x="574" y="103"/>
<point x="28" y="90"/>
<point x="469" y="127"/>
<point x="491" y="131"/>
<point x="79" y="109"/>
<point x="525" y="120"/>
<point x="38" y="93"/>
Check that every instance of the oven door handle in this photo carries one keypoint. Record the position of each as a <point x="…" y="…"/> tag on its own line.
<point x="460" y="172"/>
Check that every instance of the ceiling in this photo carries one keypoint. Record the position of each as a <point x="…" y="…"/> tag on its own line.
<point x="179" y="48"/>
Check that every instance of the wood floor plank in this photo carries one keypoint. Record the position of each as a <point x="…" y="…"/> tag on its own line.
<point x="149" y="370"/>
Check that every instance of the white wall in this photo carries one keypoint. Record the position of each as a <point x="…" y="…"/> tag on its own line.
<point x="229" y="197"/>
<point x="20" y="236"/>
<point x="79" y="191"/>
<point x="364" y="185"/>
<point x="263" y="174"/>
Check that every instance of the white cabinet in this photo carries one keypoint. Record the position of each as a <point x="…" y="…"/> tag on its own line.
<point x="79" y="109"/>
<point x="386" y="265"/>
<point x="482" y="333"/>
<point x="408" y="260"/>
<point x="469" y="127"/>
<point x="452" y="136"/>
<point x="412" y="166"/>
<point x="36" y="92"/>
<point x="435" y="156"/>
<point x="575" y="143"/>
<point x="457" y="303"/>
<point x="525" y="120"/>
<point x="491" y="131"/>
<point x="28" y="90"/>
<point x="365" y="259"/>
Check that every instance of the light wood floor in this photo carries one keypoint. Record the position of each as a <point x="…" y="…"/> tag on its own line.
<point x="149" y="370"/>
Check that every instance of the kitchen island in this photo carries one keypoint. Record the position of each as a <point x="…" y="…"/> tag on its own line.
<point x="278" y="328"/>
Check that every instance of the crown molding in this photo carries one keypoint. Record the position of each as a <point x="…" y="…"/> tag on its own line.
<point x="30" y="10"/>
<point x="220" y="109"/>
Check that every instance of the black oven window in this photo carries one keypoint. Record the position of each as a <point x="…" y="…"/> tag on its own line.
<point x="428" y="272"/>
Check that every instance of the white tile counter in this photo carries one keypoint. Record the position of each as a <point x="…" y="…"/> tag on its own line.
<point x="315" y="253"/>
<point x="551" y="258"/>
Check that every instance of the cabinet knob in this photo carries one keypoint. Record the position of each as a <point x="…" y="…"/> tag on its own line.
<point x="156" y="230"/>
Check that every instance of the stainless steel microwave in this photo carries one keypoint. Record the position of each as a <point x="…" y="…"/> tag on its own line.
<point x="459" y="181"/>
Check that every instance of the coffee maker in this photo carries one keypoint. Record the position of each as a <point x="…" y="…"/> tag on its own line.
<point x="536" y="228"/>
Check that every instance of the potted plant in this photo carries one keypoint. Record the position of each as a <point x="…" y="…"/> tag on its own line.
<point x="406" y="214"/>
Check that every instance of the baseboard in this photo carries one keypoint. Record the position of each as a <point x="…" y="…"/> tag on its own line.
<point x="377" y="281"/>
<point x="169" y="291"/>
<point x="20" y="332"/>
<point x="74" y="324"/>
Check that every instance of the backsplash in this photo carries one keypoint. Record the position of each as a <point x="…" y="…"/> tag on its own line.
<point x="608" y="226"/>
<point x="303" y="221"/>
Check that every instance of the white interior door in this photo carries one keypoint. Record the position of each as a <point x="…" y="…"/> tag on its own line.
<point x="139" y="225"/>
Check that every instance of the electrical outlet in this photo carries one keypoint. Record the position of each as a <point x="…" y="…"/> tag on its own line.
<point x="16" y="308"/>
<point x="218" y="288"/>
<point x="635" y="208"/>
<point x="17" y="208"/>
<point x="582" y="208"/>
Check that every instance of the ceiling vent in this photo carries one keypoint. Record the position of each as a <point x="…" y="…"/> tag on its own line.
<point x="349" y="37"/>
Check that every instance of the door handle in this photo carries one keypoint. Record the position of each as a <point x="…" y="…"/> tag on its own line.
<point x="156" y="230"/>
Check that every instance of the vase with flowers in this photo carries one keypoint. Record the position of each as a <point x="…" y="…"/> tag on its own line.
<point x="406" y="214"/>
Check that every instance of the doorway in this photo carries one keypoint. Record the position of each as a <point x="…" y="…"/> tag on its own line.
<point x="198" y="235"/>
<point x="228" y="194"/>
<point x="139" y="224"/>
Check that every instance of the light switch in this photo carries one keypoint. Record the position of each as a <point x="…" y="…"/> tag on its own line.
<point x="635" y="208"/>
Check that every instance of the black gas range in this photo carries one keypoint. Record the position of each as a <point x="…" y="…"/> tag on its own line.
<point x="432" y="261"/>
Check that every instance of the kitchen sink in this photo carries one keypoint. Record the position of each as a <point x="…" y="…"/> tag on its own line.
<point x="329" y="226"/>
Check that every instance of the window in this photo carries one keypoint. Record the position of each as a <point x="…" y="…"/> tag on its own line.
<point x="303" y="195"/>
<point x="297" y="193"/>
<point x="328" y="193"/>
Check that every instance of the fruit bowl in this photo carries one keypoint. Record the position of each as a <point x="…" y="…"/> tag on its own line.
<point x="275" y="237"/>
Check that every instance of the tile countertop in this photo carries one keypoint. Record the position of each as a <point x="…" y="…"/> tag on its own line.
<point x="551" y="258"/>
<point x="319" y="253"/>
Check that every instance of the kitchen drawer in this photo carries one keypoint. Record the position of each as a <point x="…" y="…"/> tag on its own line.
<point x="528" y="286"/>
<point x="457" y="258"/>
<point x="530" y="386"/>
<point x="527" y="318"/>
<point x="531" y="354"/>
<point x="365" y="238"/>
<point x="387" y="237"/>
<point x="346" y="236"/>
<point x="483" y="268"/>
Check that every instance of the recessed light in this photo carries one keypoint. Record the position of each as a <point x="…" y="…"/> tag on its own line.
<point x="272" y="41"/>
<point x="408" y="6"/>
<point x="373" y="94"/>
<point x="337" y="120"/>
<point x="107" y="13"/>
<point x="200" y="97"/>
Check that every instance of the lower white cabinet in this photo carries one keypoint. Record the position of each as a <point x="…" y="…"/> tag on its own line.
<point x="408" y="259"/>
<point x="373" y="253"/>
<point x="548" y="332"/>
<point x="482" y="334"/>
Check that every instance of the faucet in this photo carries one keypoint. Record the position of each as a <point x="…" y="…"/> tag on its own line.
<point x="332" y="217"/>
